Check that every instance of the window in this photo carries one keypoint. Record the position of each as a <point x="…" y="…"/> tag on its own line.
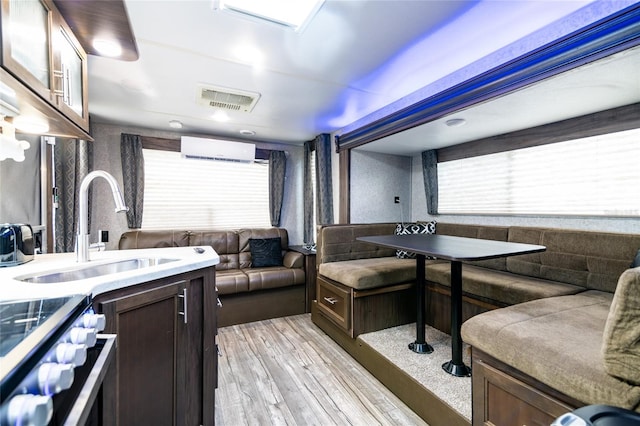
<point x="191" y="193"/>
<point x="595" y="176"/>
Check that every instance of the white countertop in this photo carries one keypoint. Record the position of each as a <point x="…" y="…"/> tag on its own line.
<point x="187" y="259"/>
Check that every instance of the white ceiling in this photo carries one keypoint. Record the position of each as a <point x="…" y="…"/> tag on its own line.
<point x="354" y="58"/>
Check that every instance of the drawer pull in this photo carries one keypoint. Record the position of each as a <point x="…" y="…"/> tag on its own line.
<point x="331" y="300"/>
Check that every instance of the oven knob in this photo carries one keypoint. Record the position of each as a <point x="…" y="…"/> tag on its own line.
<point x="97" y="321"/>
<point x="82" y="336"/>
<point x="33" y="410"/>
<point x="50" y="378"/>
<point x="68" y="353"/>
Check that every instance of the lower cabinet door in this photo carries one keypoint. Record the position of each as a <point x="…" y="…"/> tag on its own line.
<point x="148" y="330"/>
<point x="500" y="399"/>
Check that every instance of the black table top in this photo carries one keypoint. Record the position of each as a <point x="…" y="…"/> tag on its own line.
<point x="453" y="248"/>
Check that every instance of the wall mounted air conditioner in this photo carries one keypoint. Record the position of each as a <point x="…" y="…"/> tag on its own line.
<point x="217" y="149"/>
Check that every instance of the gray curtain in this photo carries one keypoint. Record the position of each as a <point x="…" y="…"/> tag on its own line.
<point x="277" y="171"/>
<point x="307" y="206"/>
<point x="430" y="176"/>
<point x="73" y="160"/>
<point x="324" y="189"/>
<point x="132" y="178"/>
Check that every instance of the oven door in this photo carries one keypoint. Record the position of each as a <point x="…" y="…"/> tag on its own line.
<point x="91" y="399"/>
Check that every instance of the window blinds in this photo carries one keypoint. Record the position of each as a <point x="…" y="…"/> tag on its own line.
<point x="595" y="176"/>
<point x="192" y="193"/>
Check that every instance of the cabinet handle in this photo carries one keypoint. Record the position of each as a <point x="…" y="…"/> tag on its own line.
<point x="331" y="300"/>
<point x="64" y="75"/>
<point x="219" y="303"/>
<point x="183" y="296"/>
<point x="59" y="75"/>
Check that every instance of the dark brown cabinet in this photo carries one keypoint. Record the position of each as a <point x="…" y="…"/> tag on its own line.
<point x="40" y="50"/>
<point x="504" y="397"/>
<point x="166" y="353"/>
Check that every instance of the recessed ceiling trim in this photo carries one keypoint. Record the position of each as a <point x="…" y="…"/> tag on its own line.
<point x="611" y="35"/>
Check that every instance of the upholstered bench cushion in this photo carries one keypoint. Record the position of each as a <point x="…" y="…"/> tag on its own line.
<point x="231" y="281"/>
<point x="557" y="341"/>
<point x="503" y="287"/>
<point x="363" y="274"/>
<point x="273" y="277"/>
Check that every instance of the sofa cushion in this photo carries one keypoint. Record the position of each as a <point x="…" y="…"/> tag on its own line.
<point x="363" y="274"/>
<point x="153" y="239"/>
<point x="231" y="281"/>
<point x="621" y="340"/>
<point x="502" y="287"/>
<point x="557" y="341"/>
<point x="265" y="252"/>
<point x="225" y="243"/>
<point x="273" y="277"/>
<point x="413" y="228"/>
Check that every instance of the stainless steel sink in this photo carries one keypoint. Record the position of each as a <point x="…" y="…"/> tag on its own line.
<point x="91" y="271"/>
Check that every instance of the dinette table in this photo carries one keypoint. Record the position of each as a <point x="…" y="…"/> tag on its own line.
<point x="456" y="250"/>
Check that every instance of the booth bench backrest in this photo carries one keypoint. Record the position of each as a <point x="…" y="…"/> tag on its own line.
<point x="231" y="245"/>
<point x="593" y="260"/>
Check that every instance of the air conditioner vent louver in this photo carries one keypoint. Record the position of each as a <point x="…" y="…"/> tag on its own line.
<point x="231" y="99"/>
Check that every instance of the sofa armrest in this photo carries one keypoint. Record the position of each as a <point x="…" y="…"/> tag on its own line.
<point x="293" y="259"/>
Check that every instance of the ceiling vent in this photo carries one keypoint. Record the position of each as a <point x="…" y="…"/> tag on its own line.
<point x="229" y="99"/>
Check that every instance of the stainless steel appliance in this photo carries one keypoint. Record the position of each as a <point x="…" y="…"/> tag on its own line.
<point x="52" y="361"/>
<point x="16" y="244"/>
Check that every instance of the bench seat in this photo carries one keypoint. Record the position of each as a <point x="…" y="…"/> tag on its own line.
<point x="568" y="357"/>
<point x="362" y="274"/>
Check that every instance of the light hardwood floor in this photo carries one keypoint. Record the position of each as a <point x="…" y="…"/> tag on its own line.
<point x="286" y="371"/>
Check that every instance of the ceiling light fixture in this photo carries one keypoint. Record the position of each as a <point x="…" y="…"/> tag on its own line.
<point x="220" y="116"/>
<point x="292" y="14"/>
<point x="247" y="132"/>
<point x="456" y="122"/>
<point x="107" y="47"/>
<point x="175" y="124"/>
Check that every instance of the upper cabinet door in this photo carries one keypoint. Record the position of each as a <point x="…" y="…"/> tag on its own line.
<point x="40" y="50"/>
<point x="26" y="43"/>
<point x="70" y="75"/>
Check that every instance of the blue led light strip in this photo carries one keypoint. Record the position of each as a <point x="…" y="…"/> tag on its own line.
<point x="611" y="35"/>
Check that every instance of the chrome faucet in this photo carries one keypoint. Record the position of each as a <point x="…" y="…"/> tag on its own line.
<point x="82" y="238"/>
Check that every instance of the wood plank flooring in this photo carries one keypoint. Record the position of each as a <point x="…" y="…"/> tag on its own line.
<point x="286" y="371"/>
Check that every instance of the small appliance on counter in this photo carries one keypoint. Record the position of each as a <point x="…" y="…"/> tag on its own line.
<point x="16" y="244"/>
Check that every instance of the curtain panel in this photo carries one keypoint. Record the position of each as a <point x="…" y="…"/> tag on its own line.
<point x="277" y="172"/>
<point x="307" y="206"/>
<point x="73" y="160"/>
<point x="324" y="188"/>
<point x="132" y="177"/>
<point x="430" y="176"/>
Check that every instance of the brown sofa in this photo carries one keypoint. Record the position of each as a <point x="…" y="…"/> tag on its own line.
<point x="544" y="314"/>
<point x="247" y="293"/>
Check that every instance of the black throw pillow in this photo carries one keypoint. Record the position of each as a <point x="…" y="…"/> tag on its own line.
<point x="265" y="252"/>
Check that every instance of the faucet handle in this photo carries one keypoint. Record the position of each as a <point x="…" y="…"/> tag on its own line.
<point x="100" y="246"/>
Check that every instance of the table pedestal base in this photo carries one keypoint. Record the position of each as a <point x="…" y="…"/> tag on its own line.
<point x="458" y="370"/>
<point x="421" y="348"/>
